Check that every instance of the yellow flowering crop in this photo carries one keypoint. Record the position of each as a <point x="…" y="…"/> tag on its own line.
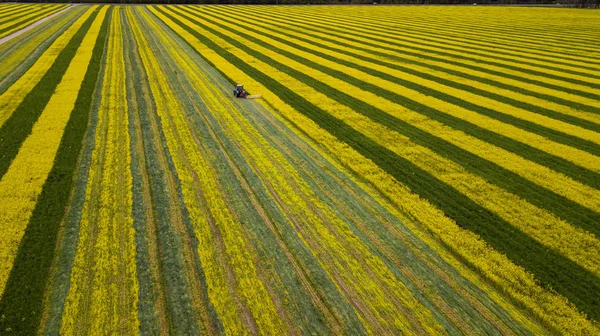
<point x="395" y="170"/>
<point x="22" y="183"/>
<point x="11" y="98"/>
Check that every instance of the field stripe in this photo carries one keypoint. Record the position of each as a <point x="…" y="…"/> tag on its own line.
<point x="542" y="33"/>
<point x="509" y="207"/>
<point x="464" y="147"/>
<point x="422" y="70"/>
<point x="441" y="75"/>
<point x="21" y="304"/>
<point x="461" y="27"/>
<point x="484" y="258"/>
<point x="506" y="142"/>
<point x="260" y="161"/>
<point x="19" y="10"/>
<point x="20" y="54"/>
<point x="6" y="9"/>
<point x="10" y="27"/>
<point x="416" y="31"/>
<point x="15" y="16"/>
<point x="488" y="43"/>
<point x="27" y="151"/>
<point x="480" y="74"/>
<point x="369" y="149"/>
<point x="36" y="77"/>
<point x="415" y="48"/>
<point x="102" y="269"/>
<point x="492" y="43"/>
<point x="583" y="82"/>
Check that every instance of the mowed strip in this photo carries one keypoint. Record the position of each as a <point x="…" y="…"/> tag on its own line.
<point x="271" y="167"/>
<point x="23" y="181"/>
<point x="171" y="63"/>
<point x="210" y="203"/>
<point x="423" y="211"/>
<point x="172" y="274"/>
<point x="22" y="22"/>
<point x="18" y="55"/>
<point x="103" y="287"/>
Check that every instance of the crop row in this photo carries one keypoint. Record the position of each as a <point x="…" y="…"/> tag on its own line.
<point x="40" y="175"/>
<point x="388" y="180"/>
<point x="204" y="33"/>
<point x="22" y="16"/>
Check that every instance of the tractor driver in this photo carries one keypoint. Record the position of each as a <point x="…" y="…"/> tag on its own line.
<point x="239" y="91"/>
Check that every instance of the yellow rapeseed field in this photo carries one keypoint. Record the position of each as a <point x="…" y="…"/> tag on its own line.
<point x="405" y="170"/>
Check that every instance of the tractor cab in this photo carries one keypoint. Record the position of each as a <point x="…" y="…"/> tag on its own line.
<point x="239" y="91"/>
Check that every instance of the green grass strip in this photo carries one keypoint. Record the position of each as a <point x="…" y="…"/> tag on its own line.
<point x="558" y="164"/>
<point x="19" y="125"/>
<point x="22" y="302"/>
<point x="549" y="267"/>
